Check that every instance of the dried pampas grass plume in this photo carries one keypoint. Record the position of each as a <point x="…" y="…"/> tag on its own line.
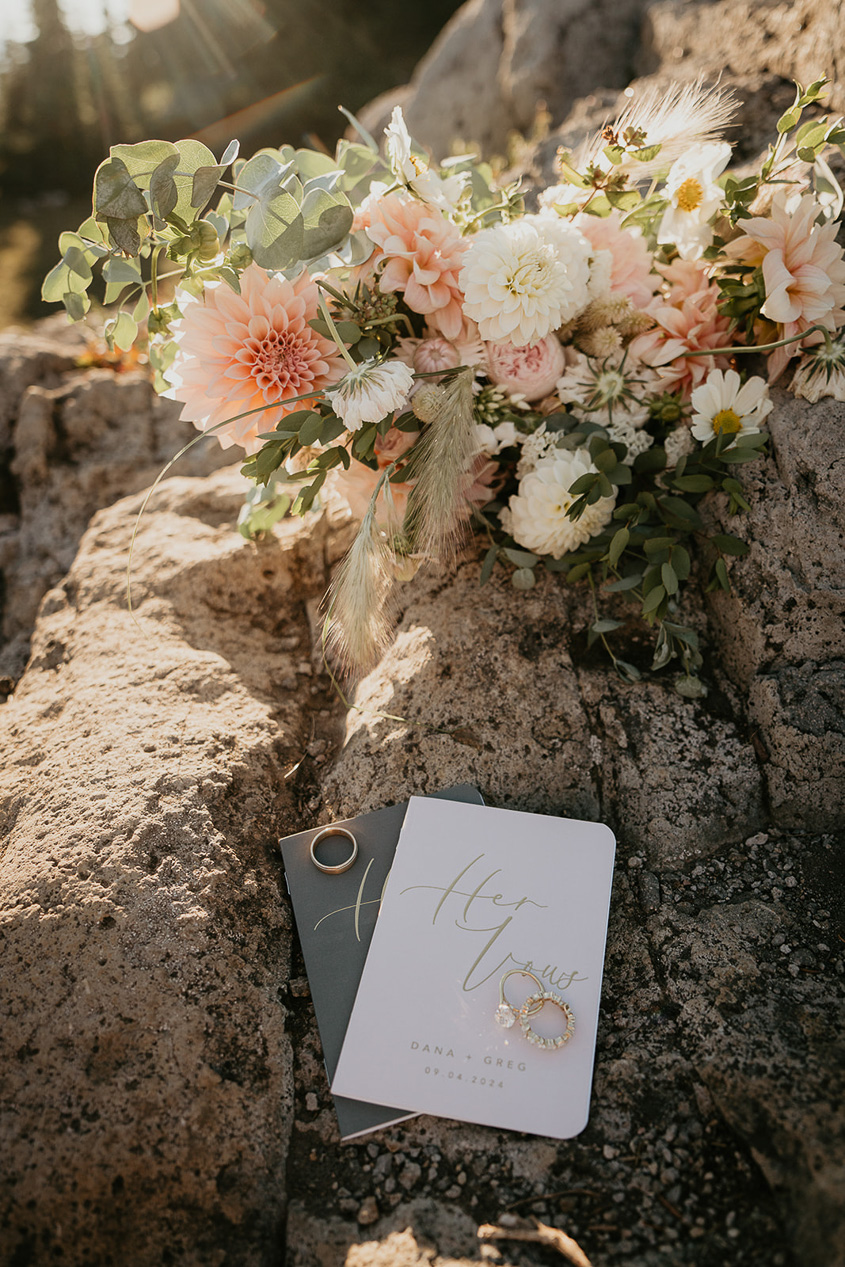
<point x="441" y="462"/>
<point x="359" y="609"/>
<point x="675" y="118"/>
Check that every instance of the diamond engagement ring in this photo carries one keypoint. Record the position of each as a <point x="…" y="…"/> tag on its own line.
<point x="506" y="1014"/>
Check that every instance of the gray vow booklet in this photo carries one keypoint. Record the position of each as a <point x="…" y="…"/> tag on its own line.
<point x="335" y="916"/>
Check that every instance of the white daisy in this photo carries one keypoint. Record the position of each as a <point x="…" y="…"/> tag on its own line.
<point x="523" y="280"/>
<point x="722" y="407"/>
<point x="694" y="198"/>
<point x="536" y="516"/>
<point x="370" y="392"/>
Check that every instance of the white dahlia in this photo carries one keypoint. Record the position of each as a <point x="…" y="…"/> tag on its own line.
<point x="536" y="516"/>
<point x="370" y="392"/>
<point x="521" y="281"/>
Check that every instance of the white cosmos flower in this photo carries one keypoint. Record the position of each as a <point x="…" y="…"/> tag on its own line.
<point x="722" y="407"/>
<point x="694" y="198"/>
<point x="523" y="280"/>
<point x="536" y="516"/>
<point x="413" y="172"/>
<point x="370" y="392"/>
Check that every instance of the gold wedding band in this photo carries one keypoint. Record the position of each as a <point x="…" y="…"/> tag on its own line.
<point x="324" y="835"/>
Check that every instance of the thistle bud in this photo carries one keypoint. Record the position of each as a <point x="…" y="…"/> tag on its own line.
<point x="428" y="403"/>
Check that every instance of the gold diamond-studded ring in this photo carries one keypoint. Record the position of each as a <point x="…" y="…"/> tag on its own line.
<point x="533" y="1004"/>
<point x="506" y="1013"/>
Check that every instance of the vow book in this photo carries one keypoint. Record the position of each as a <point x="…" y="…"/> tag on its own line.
<point x="335" y="918"/>
<point x="476" y="893"/>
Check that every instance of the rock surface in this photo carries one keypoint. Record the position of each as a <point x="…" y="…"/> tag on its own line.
<point x="497" y="61"/>
<point x="147" y="1101"/>
<point x="71" y="442"/>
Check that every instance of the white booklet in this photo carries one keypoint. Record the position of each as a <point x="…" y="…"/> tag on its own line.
<point x="484" y="905"/>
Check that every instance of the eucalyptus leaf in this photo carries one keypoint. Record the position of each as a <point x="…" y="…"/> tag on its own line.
<point x="205" y="181"/>
<point x="124" y="234"/>
<point x="690" y="687"/>
<point x="670" y="579"/>
<point x="488" y="564"/>
<point x="729" y="544"/>
<point x="142" y="160"/>
<point x="310" y="430"/>
<point x="125" y="330"/>
<point x="653" y="599"/>
<point x="620" y="540"/>
<point x="74" y="241"/>
<point x="521" y="558"/>
<point x="311" y="163"/>
<point x="275" y="231"/>
<point x="192" y="156"/>
<point x="116" y="196"/>
<point x="163" y="192"/>
<point x="624" y="583"/>
<point x="523" y="579"/>
<point x="328" y="218"/>
<point x="122" y="271"/>
<point x="142" y="308"/>
<point x="76" y="304"/>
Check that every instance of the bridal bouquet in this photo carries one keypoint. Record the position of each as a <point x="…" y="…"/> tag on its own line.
<point x="569" y="379"/>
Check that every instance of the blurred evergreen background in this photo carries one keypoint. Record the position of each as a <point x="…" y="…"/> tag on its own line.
<point x="77" y="76"/>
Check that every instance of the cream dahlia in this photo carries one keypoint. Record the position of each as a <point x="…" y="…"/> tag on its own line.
<point x="524" y="280"/>
<point x="423" y="253"/>
<point x="803" y="272"/>
<point x="536" y="516"/>
<point x="238" y="353"/>
<point x="721" y="406"/>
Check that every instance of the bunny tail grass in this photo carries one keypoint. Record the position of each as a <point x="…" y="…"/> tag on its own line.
<point x="675" y="118"/>
<point x="359" y="611"/>
<point x="441" y="462"/>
